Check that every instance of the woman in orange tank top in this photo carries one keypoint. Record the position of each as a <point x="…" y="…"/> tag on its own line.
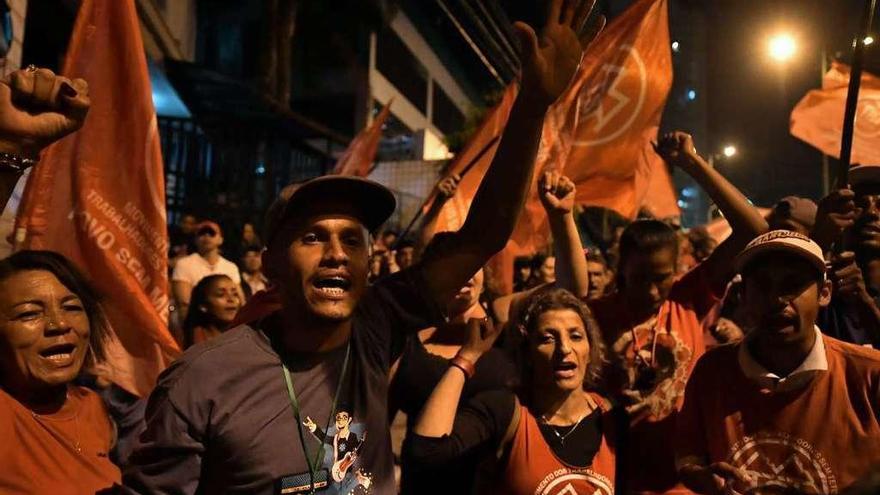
<point x="553" y="436"/>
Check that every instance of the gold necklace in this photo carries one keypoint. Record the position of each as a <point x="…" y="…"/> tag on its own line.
<point x="76" y="443"/>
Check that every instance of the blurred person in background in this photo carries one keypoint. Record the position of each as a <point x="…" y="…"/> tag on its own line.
<point x="214" y="304"/>
<point x="252" y="278"/>
<point x="196" y="266"/>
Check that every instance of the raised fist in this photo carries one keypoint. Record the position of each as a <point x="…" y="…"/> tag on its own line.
<point x="677" y="149"/>
<point x="38" y="108"/>
<point x="447" y="186"/>
<point x="556" y="192"/>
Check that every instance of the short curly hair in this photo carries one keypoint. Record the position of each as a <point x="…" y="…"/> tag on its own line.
<point x="549" y="299"/>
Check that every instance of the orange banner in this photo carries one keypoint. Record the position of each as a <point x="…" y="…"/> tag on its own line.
<point x="818" y="118"/>
<point x="360" y="154"/>
<point x="599" y="130"/>
<point x="98" y="196"/>
<point x="472" y="162"/>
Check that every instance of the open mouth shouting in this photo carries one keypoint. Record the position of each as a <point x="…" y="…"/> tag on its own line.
<point x="59" y="355"/>
<point x="332" y="285"/>
<point x="564" y="370"/>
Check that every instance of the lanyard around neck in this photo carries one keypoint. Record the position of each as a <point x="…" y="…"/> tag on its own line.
<point x="294" y="405"/>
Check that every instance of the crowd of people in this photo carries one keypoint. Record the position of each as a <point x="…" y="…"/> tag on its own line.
<point x="663" y="363"/>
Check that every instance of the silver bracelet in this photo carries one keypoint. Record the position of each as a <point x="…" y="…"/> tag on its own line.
<point x="15" y="163"/>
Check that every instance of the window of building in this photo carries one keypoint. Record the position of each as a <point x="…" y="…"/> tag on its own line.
<point x="446" y="116"/>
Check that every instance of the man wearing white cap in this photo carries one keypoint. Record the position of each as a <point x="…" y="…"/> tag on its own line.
<point x="788" y="409"/>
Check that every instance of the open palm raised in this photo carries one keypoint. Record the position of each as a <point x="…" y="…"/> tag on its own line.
<point x="549" y="60"/>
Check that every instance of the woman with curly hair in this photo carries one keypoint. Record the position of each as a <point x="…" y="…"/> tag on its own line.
<point x="553" y="429"/>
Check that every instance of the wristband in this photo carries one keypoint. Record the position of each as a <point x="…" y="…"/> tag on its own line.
<point x="464" y="364"/>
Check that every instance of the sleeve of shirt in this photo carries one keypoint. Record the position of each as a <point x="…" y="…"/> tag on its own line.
<point x="182" y="272"/>
<point x="695" y="289"/>
<point x="479" y="425"/>
<point x="691" y="442"/>
<point x="395" y="307"/>
<point x="168" y="454"/>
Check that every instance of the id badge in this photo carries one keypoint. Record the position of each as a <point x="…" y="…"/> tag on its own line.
<point x="301" y="483"/>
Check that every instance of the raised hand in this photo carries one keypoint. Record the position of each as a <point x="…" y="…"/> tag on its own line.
<point x="481" y="336"/>
<point x="845" y="274"/>
<point x="677" y="149"/>
<point x="38" y="108"/>
<point x="557" y="193"/>
<point x="836" y="213"/>
<point x="549" y="60"/>
<point x="447" y="186"/>
<point x="308" y="423"/>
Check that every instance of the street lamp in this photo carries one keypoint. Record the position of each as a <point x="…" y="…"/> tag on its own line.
<point x="782" y="47"/>
<point x="729" y="150"/>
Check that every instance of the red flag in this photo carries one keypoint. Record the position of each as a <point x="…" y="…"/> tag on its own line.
<point x="98" y="196"/>
<point x="455" y="210"/>
<point x="818" y="118"/>
<point x="358" y="157"/>
<point x="660" y="198"/>
<point x="599" y="130"/>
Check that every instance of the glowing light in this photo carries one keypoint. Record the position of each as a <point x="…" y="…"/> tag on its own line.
<point x="692" y="95"/>
<point x="782" y="47"/>
<point x="868" y="40"/>
<point x="676" y="46"/>
<point x="729" y="150"/>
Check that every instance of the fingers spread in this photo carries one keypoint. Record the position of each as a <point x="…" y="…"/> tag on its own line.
<point x="527" y="39"/>
<point x="554" y="11"/>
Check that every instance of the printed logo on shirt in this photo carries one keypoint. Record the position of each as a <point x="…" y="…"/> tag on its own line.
<point x="346" y="477"/>
<point x="654" y="385"/>
<point x="575" y="482"/>
<point x="780" y="463"/>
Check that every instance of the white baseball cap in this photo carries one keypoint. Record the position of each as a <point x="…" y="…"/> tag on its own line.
<point x="782" y="241"/>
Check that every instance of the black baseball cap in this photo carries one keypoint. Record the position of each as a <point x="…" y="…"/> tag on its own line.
<point x="370" y="202"/>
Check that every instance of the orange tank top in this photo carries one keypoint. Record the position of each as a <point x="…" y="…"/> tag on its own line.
<point x="534" y="469"/>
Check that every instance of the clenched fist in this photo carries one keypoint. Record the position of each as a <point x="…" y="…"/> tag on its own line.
<point x="38" y="108"/>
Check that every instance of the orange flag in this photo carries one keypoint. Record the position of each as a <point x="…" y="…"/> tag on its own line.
<point x="358" y="157"/>
<point x="818" y="118"/>
<point x="473" y="162"/>
<point x="660" y="199"/>
<point x="600" y="130"/>
<point x="98" y="196"/>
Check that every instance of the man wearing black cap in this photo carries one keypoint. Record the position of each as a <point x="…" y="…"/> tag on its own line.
<point x="234" y="415"/>
<point x="788" y="409"/>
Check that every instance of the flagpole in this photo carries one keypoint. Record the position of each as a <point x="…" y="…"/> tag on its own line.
<point x="430" y="197"/>
<point x="852" y="96"/>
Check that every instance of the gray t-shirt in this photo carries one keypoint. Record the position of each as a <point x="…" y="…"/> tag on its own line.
<point x="220" y="419"/>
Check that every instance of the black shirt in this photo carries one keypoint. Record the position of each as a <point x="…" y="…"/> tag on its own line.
<point x="480" y="427"/>
<point x="220" y="419"/>
<point x="417" y="375"/>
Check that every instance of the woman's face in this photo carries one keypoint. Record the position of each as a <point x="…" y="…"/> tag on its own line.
<point x="467" y="296"/>
<point x="44" y="332"/>
<point x="648" y="277"/>
<point x="247" y="233"/>
<point x="223" y="300"/>
<point x="559" y="350"/>
<point x="547" y="271"/>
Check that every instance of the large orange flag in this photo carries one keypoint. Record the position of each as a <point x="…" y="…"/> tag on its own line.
<point x="660" y="198"/>
<point x="597" y="132"/>
<point x="98" y="196"/>
<point x="358" y="157"/>
<point x="818" y="118"/>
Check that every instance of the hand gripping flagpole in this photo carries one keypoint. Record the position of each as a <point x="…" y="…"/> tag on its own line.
<point x="852" y="96"/>
<point x="431" y="197"/>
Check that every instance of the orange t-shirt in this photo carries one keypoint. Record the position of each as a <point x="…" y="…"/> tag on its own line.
<point x="533" y="468"/>
<point x="816" y="439"/>
<point x="61" y="453"/>
<point x="678" y="333"/>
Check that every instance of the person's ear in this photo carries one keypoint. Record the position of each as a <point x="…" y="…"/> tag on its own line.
<point x="825" y="289"/>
